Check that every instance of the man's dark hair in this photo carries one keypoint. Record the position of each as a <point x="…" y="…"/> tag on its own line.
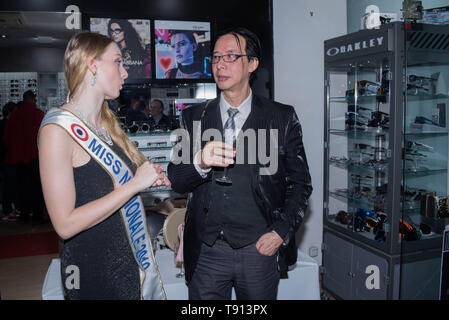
<point x="253" y="47"/>
<point x="160" y="102"/>
<point x="8" y="109"/>
<point x="29" y="95"/>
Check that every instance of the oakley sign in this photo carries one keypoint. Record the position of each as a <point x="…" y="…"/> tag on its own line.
<point x="356" y="46"/>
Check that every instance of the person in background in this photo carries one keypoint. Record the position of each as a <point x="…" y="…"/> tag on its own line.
<point x="21" y="142"/>
<point x="9" y="172"/>
<point x="158" y="119"/>
<point x="135" y="112"/>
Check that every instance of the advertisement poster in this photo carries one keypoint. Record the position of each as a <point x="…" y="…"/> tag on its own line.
<point x="182" y="50"/>
<point x="133" y="37"/>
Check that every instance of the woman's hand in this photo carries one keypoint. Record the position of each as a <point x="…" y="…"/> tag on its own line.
<point x="162" y="178"/>
<point x="146" y="175"/>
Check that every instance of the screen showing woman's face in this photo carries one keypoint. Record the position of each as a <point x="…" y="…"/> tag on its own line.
<point x="117" y="32"/>
<point x="183" y="48"/>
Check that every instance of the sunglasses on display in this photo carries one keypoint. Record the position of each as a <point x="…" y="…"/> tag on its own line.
<point x="157" y="159"/>
<point x="157" y="144"/>
<point x="134" y="128"/>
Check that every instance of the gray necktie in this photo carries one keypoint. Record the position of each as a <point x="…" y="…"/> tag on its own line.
<point x="229" y="127"/>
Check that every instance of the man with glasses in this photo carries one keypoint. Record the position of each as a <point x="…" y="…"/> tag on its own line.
<point x="240" y="231"/>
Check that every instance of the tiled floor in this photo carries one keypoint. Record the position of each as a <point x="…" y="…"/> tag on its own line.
<point x="22" y="278"/>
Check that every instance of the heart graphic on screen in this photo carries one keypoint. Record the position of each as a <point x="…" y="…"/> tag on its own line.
<point x="165" y="62"/>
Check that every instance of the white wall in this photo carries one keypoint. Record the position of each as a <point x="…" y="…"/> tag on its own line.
<point x="299" y="30"/>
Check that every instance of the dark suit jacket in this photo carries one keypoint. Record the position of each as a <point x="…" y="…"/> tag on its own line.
<point x="282" y="197"/>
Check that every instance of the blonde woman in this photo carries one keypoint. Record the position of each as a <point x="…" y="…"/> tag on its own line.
<point x="82" y="200"/>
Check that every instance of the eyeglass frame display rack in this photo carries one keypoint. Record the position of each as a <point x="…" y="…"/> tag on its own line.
<point x="145" y="140"/>
<point x="397" y="253"/>
<point x="154" y="195"/>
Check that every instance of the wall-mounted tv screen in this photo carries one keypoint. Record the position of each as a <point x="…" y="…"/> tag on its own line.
<point x="182" y="49"/>
<point x="133" y="36"/>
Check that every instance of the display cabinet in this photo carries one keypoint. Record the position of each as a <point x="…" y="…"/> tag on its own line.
<point x="156" y="146"/>
<point x="156" y="142"/>
<point x="385" y="164"/>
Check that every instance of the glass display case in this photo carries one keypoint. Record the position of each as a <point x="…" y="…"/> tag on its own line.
<point x="156" y="142"/>
<point x="386" y="151"/>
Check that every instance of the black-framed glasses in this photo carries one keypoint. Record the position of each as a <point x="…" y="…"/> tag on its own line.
<point x="230" y="57"/>
<point x="116" y="30"/>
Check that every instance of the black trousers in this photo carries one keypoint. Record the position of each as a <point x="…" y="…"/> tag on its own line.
<point x="221" y="268"/>
<point x="10" y="192"/>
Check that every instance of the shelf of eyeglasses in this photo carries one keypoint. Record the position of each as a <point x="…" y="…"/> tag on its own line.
<point x="359" y="97"/>
<point x="371" y="165"/>
<point x="426" y="133"/>
<point x="159" y="189"/>
<point x="149" y="133"/>
<point x="155" y="148"/>
<point x="359" y="130"/>
<point x="383" y="167"/>
<point x="368" y="234"/>
<point x="368" y="199"/>
<point x="155" y="161"/>
<point x="427" y="96"/>
<point x="423" y="171"/>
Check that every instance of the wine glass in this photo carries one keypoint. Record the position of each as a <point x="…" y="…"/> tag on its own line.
<point x="229" y="139"/>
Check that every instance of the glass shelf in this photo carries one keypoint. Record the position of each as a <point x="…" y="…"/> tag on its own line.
<point x="152" y="133"/>
<point x="161" y="162"/>
<point x="384" y="168"/>
<point x="157" y="190"/>
<point x="427" y="96"/>
<point x="368" y="131"/>
<point x="348" y="165"/>
<point x="155" y="148"/>
<point x="424" y="171"/>
<point x="360" y="97"/>
<point x="362" y="202"/>
<point x="426" y="134"/>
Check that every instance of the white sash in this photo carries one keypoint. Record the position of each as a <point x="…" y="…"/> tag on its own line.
<point x="132" y="213"/>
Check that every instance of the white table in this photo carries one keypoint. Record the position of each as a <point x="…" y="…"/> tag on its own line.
<point x="302" y="282"/>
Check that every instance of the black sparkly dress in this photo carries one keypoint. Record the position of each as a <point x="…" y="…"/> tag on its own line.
<point x="107" y="267"/>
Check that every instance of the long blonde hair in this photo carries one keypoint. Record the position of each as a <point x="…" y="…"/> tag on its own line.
<point x="80" y="47"/>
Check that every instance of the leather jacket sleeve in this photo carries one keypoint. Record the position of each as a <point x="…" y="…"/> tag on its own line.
<point x="298" y="184"/>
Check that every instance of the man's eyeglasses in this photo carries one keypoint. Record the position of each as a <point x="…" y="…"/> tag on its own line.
<point x="228" y="57"/>
<point x="118" y="30"/>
